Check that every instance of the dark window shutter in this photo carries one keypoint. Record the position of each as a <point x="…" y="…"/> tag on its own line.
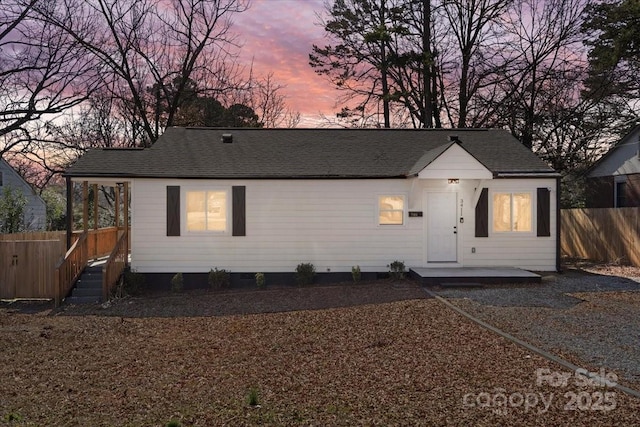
<point x="173" y="210"/>
<point x="544" y="212"/>
<point x="482" y="214"/>
<point x="239" y="211"/>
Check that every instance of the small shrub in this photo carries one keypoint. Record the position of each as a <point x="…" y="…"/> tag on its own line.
<point x="133" y="283"/>
<point x="260" y="280"/>
<point x="177" y="283"/>
<point x="173" y="423"/>
<point x="305" y="273"/>
<point x="397" y="270"/>
<point x="253" y="397"/>
<point x="219" y="279"/>
<point x="355" y="273"/>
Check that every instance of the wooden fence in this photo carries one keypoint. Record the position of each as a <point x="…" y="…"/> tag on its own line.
<point x="608" y="234"/>
<point x="27" y="266"/>
<point x="35" y="235"/>
<point x="28" y="261"/>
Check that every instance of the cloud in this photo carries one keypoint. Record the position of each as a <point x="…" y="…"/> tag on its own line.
<point x="277" y="36"/>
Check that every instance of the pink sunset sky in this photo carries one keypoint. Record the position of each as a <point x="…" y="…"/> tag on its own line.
<point x="278" y="36"/>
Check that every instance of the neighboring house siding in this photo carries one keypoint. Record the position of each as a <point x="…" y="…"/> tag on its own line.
<point x="617" y="172"/>
<point x="331" y="223"/>
<point x="604" y="192"/>
<point x="600" y="192"/>
<point x="632" y="194"/>
<point x="35" y="210"/>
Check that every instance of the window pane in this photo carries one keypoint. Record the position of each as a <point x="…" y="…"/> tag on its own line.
<point x="391" y="210"/>
<point x="391" y="217"/>
<point x="521" y="212"/>
<point x="196" y="219"/>
<point x="391" y="203"/>
<point x="502" y="212"/>
<point x="216" y="211"/>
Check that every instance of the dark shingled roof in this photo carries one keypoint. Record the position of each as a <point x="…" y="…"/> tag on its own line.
<point x="305" y="153"/>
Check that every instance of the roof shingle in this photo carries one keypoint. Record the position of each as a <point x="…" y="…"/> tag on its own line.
<point x="304" y="153"/>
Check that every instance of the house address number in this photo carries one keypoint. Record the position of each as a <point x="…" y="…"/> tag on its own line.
<point x="415" y="214"/>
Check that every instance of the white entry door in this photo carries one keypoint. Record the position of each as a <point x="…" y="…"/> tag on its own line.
<point x="442" y="227"/>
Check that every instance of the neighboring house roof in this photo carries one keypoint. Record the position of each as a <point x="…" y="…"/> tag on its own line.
<point x="622" y="159"/>
<point x="306" y="153"/>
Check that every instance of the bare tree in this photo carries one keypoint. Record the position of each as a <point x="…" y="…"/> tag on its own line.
<point x="42" y="73"/>
<point x="542" y="50"/>
<point x="150" y="49"/>
<point x="473" y="25"/>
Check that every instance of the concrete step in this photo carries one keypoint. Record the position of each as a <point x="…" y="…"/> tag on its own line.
<point x="82" y="300"/>
<point x="84" y="292"/>
<point x="89" y="283"/>
<point x="88" y="289"/>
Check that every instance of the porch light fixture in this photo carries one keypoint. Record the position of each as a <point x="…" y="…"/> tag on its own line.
<point x="453" y="181"/>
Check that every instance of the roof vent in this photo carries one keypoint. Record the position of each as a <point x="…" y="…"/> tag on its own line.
<point x="453" y="138"/>
<point x="227" y="138"/>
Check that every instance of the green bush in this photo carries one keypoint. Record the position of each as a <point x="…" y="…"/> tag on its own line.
<point x="133" y="283"/>
<point x="260" y="280"/>
<point x="355" y="273"/>
<point x="177" y="283"/>
<point x="397" y="270"/>
<point x="219" y="279"/>
<point x="305" y="273"/>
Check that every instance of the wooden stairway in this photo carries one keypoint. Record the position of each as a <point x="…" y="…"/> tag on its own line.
<point x="88" y="289"/>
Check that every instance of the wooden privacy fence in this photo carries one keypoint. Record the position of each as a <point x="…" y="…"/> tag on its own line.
<point x="27" y="266"/>
<point x="608" y="234"/>
<point x="35" y="235"/>
<point x="28" y="261"/>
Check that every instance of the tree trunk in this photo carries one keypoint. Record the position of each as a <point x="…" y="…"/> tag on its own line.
<point x="427" y="112"/>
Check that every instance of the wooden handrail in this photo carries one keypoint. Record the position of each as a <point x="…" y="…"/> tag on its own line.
<point x="115" y="265"/>
<point x="70" y="268"/>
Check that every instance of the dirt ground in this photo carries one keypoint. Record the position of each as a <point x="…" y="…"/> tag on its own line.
<point x="369" y="354"/>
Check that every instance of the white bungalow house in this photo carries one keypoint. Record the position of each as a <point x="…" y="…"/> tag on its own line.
<point x="265" y="200"/>
<point x="35" y="212"/>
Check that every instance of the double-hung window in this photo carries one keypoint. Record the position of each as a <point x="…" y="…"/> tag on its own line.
<point x="391" y="210"/>
<point x="512" y="212"/>
<point x="207" y="211"/>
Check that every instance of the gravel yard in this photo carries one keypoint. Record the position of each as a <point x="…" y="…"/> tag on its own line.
<point x="588" y="315"/>
<point x="389" y="357"/>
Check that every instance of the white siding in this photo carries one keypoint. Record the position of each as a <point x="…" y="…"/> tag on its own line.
<point x="331" y="223"/>
<point x="455" y="162"/>
<point x="522" y="250"/>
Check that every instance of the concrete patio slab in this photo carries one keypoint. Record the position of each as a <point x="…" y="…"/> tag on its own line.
<point x="485" y="275"/>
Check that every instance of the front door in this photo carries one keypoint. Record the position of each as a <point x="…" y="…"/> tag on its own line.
<point x="442" y="227"/>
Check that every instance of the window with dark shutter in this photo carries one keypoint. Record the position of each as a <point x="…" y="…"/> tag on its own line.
<point x="173" y="210"/>
<point x="482" y="214"/>
<point x="544" y="212"/>
<point x="239" y="211"/>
